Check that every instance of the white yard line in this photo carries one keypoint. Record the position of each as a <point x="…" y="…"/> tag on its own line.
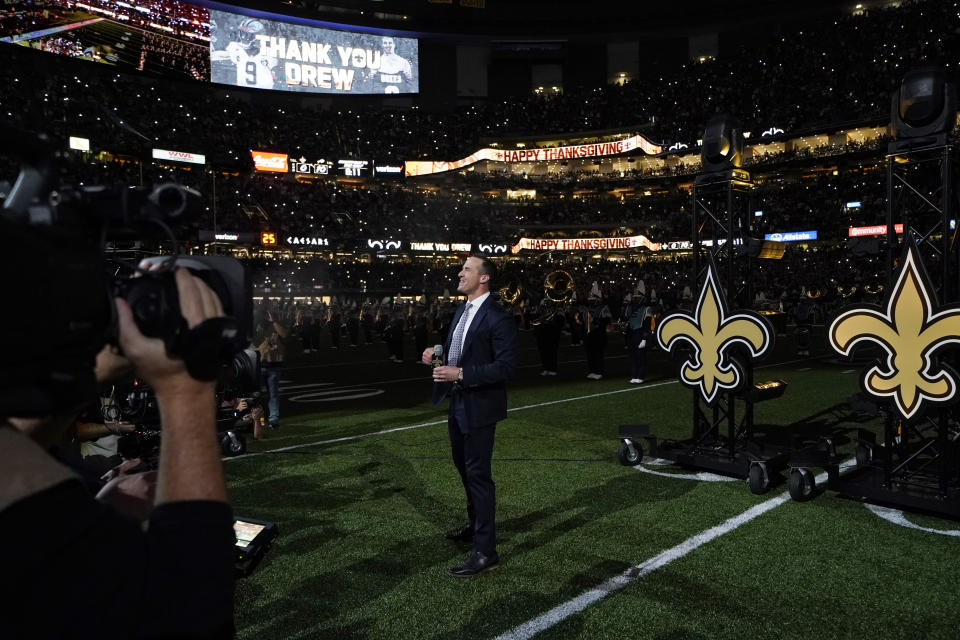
<point x="424" y="378"/>
<point x="437" y="422"/>
<point x="444" y="421"/>
<point x="576" y="605"/>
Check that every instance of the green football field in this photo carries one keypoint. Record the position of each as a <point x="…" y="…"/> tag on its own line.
<point x="359" y="481"/>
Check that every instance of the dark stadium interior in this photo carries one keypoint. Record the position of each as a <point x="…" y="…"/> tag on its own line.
<point x="356" y="256"/>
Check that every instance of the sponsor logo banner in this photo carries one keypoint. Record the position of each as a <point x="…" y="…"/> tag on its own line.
<point x="240" y="237"/>
<point x="492" y="248"/>
<point x="308" y="241"/>
<point x="267" y="161"/>
<point x="875" y="230"/>
<point x="686" y="245"/>
<point x="381" y="244"/>
<point x="590" y="244"/>
<point x="300" y="165"/>
<point x="179" y="156"/>
<point x="791" y="236"/>
<point x="549" y="154"/>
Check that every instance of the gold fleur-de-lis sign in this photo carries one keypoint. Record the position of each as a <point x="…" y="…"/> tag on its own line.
<point x="712" y="330"/>
<point x="910" y="330"/>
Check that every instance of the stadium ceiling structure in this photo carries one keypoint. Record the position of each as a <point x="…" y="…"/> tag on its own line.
<point x="546" y="18"/>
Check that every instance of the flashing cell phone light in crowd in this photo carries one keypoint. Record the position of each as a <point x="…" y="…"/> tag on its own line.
<point x="853" y="204"/>
<point x="758" y="213"/>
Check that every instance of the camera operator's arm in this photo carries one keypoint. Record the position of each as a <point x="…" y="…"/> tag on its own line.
<point x="190" y="533"/>
<point x="190" y="467"/>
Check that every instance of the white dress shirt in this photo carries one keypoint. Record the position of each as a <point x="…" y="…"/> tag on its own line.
<point x="474" y="307"/>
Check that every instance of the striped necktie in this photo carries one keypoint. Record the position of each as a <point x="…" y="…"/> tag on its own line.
<point x="457" y="342"/>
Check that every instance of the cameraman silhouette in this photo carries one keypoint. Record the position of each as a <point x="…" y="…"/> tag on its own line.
<point x="80" y="568"/>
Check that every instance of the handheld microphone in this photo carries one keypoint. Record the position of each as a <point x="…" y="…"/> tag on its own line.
<point x="437" y="355"/>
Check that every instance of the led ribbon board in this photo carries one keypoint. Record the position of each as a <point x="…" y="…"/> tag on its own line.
<point x="547" y="154"/>
<point x="712" y="330"/>
<point x="590" y="244"/>
<point x="909" y="328"/>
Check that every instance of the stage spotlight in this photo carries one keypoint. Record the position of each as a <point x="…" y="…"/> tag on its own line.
<point x="722" y="147"/>
<point x="923" y="110"/>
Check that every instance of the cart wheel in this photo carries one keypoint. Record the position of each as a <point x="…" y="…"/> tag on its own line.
<point x="864" y="454"/>
<point x="802" y="484"/>
<point x="826" y="445"/>
<point x="758" y="480"/>
<point x="233" y="443"/>
<point x="629" y="453"/>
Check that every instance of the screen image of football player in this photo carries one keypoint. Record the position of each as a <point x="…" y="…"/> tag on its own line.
<point x="394" y="71"/>
<point x="251" y="67"/>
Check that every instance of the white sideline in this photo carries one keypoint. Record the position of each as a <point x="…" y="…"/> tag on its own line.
<point x="444" y="421"/>
<point x="576" y="605"/>
<point x="436" y="422"/>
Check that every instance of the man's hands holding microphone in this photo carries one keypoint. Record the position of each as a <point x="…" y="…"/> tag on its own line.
<point x="442" y="373"/>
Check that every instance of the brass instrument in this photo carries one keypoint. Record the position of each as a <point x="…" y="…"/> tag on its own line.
<point x="558" y="289"/>
<point x="558" y="286"/>
<point x="511" y="290"/>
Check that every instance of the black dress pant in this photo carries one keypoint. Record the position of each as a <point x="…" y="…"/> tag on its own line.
<point x="472" y="451"/>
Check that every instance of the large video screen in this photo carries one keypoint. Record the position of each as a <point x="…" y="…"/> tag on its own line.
<point x="254" y="52"/>
<point x="176" y="38"/>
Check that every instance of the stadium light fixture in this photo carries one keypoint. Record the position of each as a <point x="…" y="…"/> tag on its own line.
<point x="722" y="147"/>
<point x="922" y="109"/>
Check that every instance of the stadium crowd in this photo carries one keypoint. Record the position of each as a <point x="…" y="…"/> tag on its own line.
<point x="837" y="72"/>
<point x="800" y="81"/>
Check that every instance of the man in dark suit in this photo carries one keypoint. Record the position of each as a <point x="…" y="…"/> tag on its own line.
<point x="481" y="351"/>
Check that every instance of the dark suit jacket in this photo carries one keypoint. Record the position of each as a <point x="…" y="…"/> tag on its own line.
<point x="488" y="360"/>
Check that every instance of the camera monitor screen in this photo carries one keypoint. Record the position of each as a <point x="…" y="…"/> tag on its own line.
<point x="261" y="51"/>
<point x="246" y="532"/>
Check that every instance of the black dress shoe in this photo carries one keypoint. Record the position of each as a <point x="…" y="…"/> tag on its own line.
<point x="460" y="534"/>
<point x="476" y="564"/>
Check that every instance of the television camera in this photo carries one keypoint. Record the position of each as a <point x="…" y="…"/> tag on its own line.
<point x="136" y="404"/>
<point x="62" y="279"/>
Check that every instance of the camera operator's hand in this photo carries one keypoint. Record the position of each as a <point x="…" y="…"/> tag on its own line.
<point x="197" y="303"/>
<point x="111" y="365"/>
<point x="189" y="466"/>
<point x="131" y="493"/>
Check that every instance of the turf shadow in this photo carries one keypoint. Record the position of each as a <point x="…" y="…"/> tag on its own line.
<point x="539" y="528"/>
